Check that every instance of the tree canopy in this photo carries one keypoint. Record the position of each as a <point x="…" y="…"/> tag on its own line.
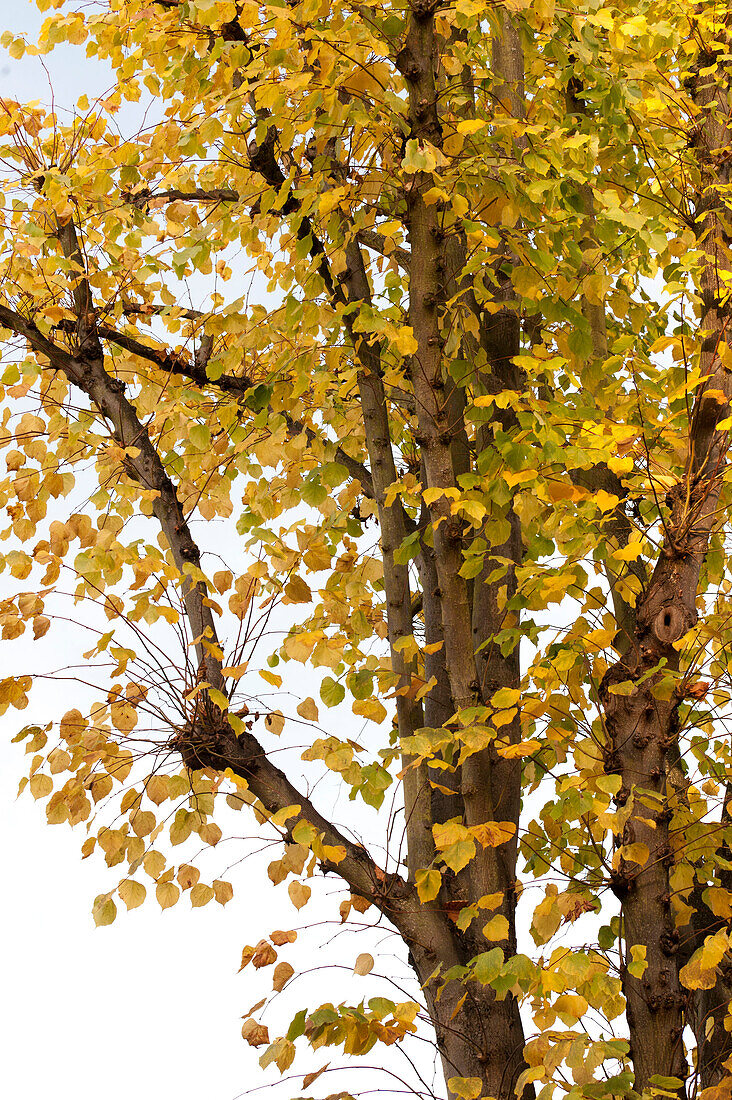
<point x="388" y="355"/>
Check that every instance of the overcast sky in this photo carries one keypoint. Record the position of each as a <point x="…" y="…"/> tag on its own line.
<point x="150" y="1006"/>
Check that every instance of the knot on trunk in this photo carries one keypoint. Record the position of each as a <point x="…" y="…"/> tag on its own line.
<point x="669" y="624"/>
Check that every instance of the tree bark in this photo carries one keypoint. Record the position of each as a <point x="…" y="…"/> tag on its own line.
<point x="642" y="729"/>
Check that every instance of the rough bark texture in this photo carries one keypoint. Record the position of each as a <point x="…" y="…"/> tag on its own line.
<point x="642" y="730"/>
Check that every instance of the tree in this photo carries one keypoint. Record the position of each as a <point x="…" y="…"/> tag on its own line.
<point x="473" y="438"/>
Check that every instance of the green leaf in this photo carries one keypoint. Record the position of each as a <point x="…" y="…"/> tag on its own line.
<point x="331" y="692"/>
<point x="487" y="966"/>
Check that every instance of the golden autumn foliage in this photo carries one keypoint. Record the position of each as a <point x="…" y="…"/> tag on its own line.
<point x="366" y="402"/>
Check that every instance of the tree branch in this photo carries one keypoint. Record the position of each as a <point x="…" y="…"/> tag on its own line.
<point x="142" y="462"/>
<point x="374" y="240"/>
<point x="236" y="385"/>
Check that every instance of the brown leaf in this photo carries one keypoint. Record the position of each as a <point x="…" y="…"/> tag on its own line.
<point x="40" y="626"/>
<point x="255" y="1034"/>
<point x="310" y="1077"/>
<point x="364" y="964"/>
<point x="187" y="876"/>
<point x="279" y="939"/>
<point x="246" y="956"/>
<point x="282" y="974"/>
<point x="264" y="954"/>
<point x="308" y="709"/>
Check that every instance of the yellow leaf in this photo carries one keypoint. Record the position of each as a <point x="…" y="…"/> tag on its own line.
<point x="369" y="708"/>
<point x="271" y="677"/>
<point x="104" y="910"/>
<point x="701" y="970"/>
<point x="571" y="1007"/>
<point x="638" y="964"/>
<point x="297" y="591"/>
<point x="493" y="833"/>
<point x="428" y="883"/>
<point x="635" y="853"/>
<point x="223" y="891"/>
<point x="631" y="552"/>
<point x="404" y="341"/>
<point x="72" y="724"/>
<point x="309" y="1078"/>
<point x="605" y="501"/>
<point x="471" y="125"/>
<point x="465" y="1088"/>
<point x="547" y="916"/>
<point x="559" y="490"/>
<point x="279" y="939"/>
<point x="40" y="785"/>
<point x="132" y="893"/>
<point x="201" y="894"/>
<point x="40" y="626"/>
<point x="222" y="580"/>
<point x="167" y="894"/>
<point x="187" y="876"/>
<point x="235" y="672"/>
<point x="513" y="752"/>
<point x="331" y="199"/>
<point x="124" y="715"/>
<point x="449" y="832"/>
<point x="456" y="844"/>
<point x="430" y="197"/>
<point x="434" y="493"/>
<point x="718" y="900"/>
<point x="275" y="722"/>
<point x="496" y="928"/>
<point x="299" y="894"/>
<point x="264" y="955"/>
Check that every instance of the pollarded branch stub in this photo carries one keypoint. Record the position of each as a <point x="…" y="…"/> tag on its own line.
<point x="423" y="10"/>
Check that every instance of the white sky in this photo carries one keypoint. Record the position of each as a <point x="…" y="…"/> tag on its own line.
<point x="151" y="1005"/>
